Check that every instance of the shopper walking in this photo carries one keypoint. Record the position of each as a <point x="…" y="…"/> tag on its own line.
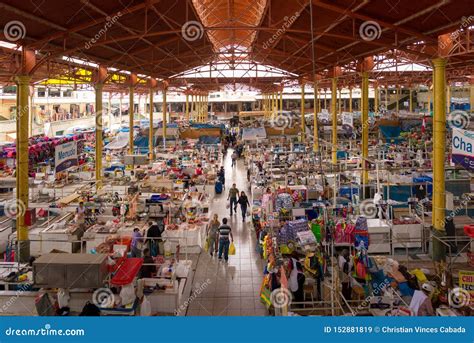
<point x="233" y="193"/>
<point x="212" y="233"/>
<point x="234" y="158"/>
<point x="244" y="204"/>
<point x="225" y="238"/>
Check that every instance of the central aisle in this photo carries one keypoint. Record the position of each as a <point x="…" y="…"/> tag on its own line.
<point x="232" y="288"/>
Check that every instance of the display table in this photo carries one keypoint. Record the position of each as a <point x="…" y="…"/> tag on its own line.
<point x="379" y="236"/>
<point x="406" y="235"/>
<point x="190" y="238"/>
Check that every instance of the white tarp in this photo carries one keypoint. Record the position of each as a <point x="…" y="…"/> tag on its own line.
<point x="119" y="142"/>
<point x="253" y="133"/>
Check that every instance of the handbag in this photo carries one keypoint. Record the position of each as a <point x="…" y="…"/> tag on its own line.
<point x="232" y="249"/>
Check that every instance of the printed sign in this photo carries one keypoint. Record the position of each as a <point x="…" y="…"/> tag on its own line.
<point x="65" y="156"/>
<point x="347" y="119"/>
<point x="462" y="147"/>
<point x="466" y="282"/>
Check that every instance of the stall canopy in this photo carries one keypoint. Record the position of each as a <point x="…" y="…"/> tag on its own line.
<point x="253" y="133"/>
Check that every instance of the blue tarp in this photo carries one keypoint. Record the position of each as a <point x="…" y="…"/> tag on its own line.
<point x="391" y="133"/>
<point x="208" y="140"/>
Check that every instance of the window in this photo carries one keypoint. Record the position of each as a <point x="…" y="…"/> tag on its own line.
<point x="41" y="92"/>
<point x="67" y="93"/>
<point x="9" y="90"/>
<point x="54" y="93"/>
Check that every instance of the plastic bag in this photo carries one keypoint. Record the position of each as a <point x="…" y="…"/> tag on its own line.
<point x="127" y="294"/>
<point x="206" y="245"/>
<point x="145" y="308"/>
<point x="232" y="249"/>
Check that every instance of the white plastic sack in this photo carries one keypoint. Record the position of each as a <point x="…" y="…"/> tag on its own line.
<point x="145" y="308"/>
<point x="127" y="294"/>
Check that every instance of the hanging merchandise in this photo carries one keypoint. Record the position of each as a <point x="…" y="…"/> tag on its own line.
<point x="361" y="233"/>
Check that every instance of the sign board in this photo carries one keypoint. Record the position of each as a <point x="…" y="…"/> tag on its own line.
<point x="462" y="148"/>
<point x="65" y="156"/>
<point x="347" y="119"/>
<point x="324" y="116"/>
<point x="466" y="282"/>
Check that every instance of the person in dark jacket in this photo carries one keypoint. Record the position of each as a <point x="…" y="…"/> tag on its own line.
<point x="244" y="203"/>
<point x="153" y="238"/>
<point x="148" y="268"/>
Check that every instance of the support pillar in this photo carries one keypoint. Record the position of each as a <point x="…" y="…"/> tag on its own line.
<point x="281" y="99"/>
<point x="376" y="98"/>
<point x="22" y="189"/>
<point x="411" y="100"/>
<point x="164" y="105"/>
<point x="365" y="126"/>
<point x="350" y="99"/>
<point x="398" y="99"/>
<point x="99" y="122"/>
<point x="187" y="107"/>
<point x="151" y="132"/>
<point x="439" y="146"/>
<point x="334" y="120"/>
<point x="131" y="109"/>
<point x="303" y="120"/>
<point x="429" y="101"/>
<point x="315" y="120"/>
<point x="471" y="95"/>
<point x="386" y="97"/>
<point x="448" y="98"/>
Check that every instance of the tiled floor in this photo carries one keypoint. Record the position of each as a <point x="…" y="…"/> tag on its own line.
<point x="232" y="289"/>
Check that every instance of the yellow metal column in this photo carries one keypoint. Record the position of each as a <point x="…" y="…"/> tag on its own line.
<point x="315" y="119"/>
<point x="411" y="101"/>
<point x="386" y="97"/>
<point x="281" y="100"/>
<point x="471" y="95"/>
<point x="398" y="99"/>
<point x="339" y="101"/>
<point x="151" y="132"/>
<point x="429" y="101"/>
<point x="130" y="121"/>
<point x="448" y="98"/>
<point x="350" y="99"/>
<point x="165" y="121"/>
<point x="439" y="146"/>
<point x="376" y="98"/>
<point x="22" y="189"/>
<point x="365" y="126"/>
<point x="98" y="134"/>
<point x="187" y="107"/>
<point x="303" y="120"/>
<point x="334" y="120"/>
